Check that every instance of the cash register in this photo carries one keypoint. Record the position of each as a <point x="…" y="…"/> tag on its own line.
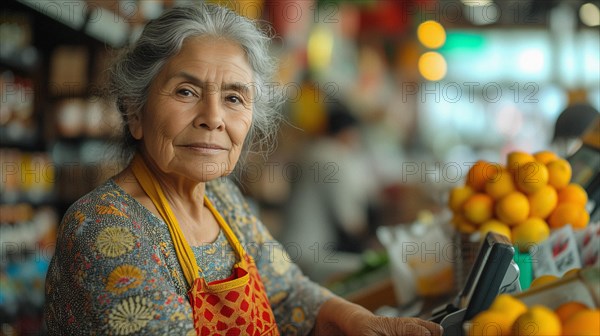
<point x="493" y="272"/>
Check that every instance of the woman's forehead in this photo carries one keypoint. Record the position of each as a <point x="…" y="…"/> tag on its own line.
<point x="207" y="56"/>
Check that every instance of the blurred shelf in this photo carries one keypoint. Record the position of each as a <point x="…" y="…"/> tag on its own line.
<point x="24" y="61"/>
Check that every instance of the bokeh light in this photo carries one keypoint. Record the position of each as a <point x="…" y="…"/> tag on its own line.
<point x="432" y="66"/>
<point x="320" y="48"/>
<point x="589" y="14"/>
<point x="431" y="34"/>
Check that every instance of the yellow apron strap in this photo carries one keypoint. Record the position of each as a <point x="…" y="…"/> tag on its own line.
<point x="186" y="257"/>
<point x="233" y="241"/>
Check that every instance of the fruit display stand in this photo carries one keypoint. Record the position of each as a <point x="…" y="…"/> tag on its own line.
<point x="565" y="306"/>
<point x="581" y="286"/>
<point x="540" y="202"/>
<point x="525" y="199"/>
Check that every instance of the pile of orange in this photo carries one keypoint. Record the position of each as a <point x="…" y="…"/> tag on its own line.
<point x="509" y="316"/>
<point x="522" y="199"/>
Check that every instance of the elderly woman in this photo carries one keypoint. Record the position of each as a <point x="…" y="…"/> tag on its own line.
<point x="169" y="246"/>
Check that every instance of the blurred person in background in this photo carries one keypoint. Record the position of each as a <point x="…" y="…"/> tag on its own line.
<point x="331" y="206"/>
<point x="169" y="246"/>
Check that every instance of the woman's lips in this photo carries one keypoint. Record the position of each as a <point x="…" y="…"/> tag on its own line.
<point x="205" y="148"/>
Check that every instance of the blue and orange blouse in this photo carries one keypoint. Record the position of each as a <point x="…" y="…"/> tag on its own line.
<point x="115" y="271"/>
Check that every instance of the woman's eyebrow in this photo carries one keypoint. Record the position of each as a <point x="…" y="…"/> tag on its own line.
<point x="235" y="86"/>
<point x="238" y="87"/>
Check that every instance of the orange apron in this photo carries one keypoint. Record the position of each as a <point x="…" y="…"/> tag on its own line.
<point x="237" y="305"/>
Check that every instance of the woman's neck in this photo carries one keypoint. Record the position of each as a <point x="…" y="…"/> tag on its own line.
<point x="185" y="198"/>
<point x="180" y="191"/>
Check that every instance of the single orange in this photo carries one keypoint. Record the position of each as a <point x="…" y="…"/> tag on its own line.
<point x="478" y="208"/>
<point x="583" y="221"/>
<point x="543" y="280"/>
<point x="559" y="173"/>
<point x="568" y="309"/>
<point x="490" y="323"/>
<point x="458" y="196"/>
<point x="457" y="218"/>
<point x="517" y="159"/>
<point x="512" y="208"/>
<point x="500" y="185"/>
<point x="479" y="173"/>
<point x="538" y="320"/>
<point x="568" y="213"/>
<point x="545" y="156"/>
<point x="542" y="202"/>
<point x="494" y="225"/>
<point x="531" y="177"/>
<point x="571" y="272"/>
<point x="529" y="233"/>
<point x="508" y="305"/>
<point x="585" y="322"/>
<point x="573" y="193"/>
<point x="462" y="224"/>
<point x="466" y="227"/>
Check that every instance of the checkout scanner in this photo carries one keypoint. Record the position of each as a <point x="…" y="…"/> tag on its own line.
<point x="494" y="272"/>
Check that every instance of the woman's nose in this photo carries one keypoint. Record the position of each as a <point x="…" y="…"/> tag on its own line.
<point x="210" y="113"/>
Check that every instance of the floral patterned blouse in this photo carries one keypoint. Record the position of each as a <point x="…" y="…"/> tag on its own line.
<point x="115" y="271"/>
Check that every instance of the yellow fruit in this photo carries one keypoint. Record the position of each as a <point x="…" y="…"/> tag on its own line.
<point x="490" y="323"/>
<point x="466" y="227"/>
<point x="538" y="320"/>
<point x="517" y="159"/>
<point x="500" y="184"/>
<point x="508" y="305"/>
<point x="542" y="280"/>
<point x="494" y="225"/>
<point x="456" y="218"/>
<point x="545" y="156"/>
<point x="568" y="309"/>
<point x="531" y="177"/>
<point x="542" y="202"/>
<point x="573" y="193"/>
<point x="458" y="196"/>
<point x="568" y="213"/>
<point x="478" y="208"/>
<point x="559" y="173"/>
<point x="512" y="208"/>
<point x="529" y="233"/>
<point x="585" y="322"/>
<point x="571" y="271"/>
<point x="583" y="221"/>
<point x="462" y="224"/>
<point x="478" y="174"/>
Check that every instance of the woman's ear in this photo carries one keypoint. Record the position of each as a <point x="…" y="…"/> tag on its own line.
<point x="134" y="123"/>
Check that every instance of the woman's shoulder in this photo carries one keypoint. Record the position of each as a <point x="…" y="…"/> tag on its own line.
<point x="105" y="206"/>
<point x="108" y="194"/>
<point x="113" y="258"/>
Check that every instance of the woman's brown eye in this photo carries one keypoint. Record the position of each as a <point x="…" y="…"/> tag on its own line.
<point x="185" y="93"/>
<point x="234" y="99"/>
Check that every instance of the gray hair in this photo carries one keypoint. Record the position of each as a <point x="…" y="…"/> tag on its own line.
<point x="131" y="76"/>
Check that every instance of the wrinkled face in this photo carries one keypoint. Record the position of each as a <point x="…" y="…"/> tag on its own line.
<point x="199" y="111"/>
